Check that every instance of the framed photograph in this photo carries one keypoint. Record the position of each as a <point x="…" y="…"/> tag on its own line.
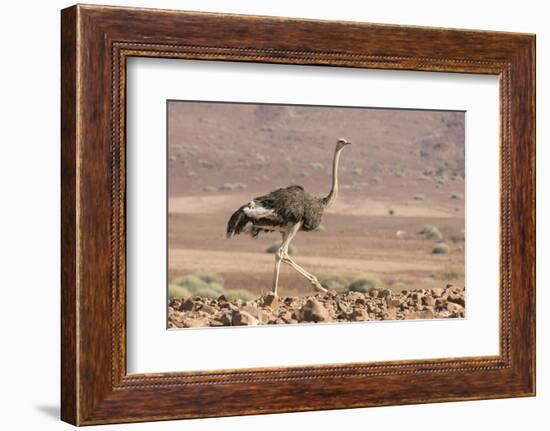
<point x="264" y="215"/>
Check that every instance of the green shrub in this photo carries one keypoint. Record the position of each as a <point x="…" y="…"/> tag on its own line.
<point x="459" y="236"/>
<point x="243" y="294"/>
<point x="176" y="291"/>
<point x="452" y="272"/>
<point x="365" y="284"/>
<point x="190" y="282"/>
<point x="276" y="245"/>
<point x="335" y="282"/>
<point x="441" y="249"/>
<point x="210" y="278"/>
<point x="201" y="282"/>
<point x="431" y="232"/>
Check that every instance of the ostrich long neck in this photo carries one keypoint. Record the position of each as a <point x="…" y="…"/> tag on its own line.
<point x="333" y="194"/>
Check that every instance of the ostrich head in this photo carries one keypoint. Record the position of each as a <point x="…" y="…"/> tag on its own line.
<point x="341" y="144"/>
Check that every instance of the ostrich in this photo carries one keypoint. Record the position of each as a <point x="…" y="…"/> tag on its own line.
<point x="286" y="210"/>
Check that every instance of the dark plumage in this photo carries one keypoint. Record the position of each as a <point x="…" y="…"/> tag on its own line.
<point x="289" y="205"/>
<point x="287" y="210"/>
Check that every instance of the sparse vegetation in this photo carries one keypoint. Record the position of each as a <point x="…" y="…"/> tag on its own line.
<point x="365" y="284"/>
<point x="457" y="196"/>
<point x="209" y="189"/>
<point x="176" y="291"/>
<point x="276" y="245"/>
<point x="243" y="294"/>
<point x="441" y="249"/>
<point x="431" y="232"/>
<point x="233" y="186"/>
<point x="452" y="272"/>
<point x="201" y="284"/>
<point x="335" y="282"/>
<point x="459" y="236"/>
<point x="418" y="197"/>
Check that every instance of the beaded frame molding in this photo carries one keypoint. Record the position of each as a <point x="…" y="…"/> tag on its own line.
<point x="95" y="43"/>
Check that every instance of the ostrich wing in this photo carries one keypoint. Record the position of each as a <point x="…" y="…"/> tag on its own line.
<point x="269" y="212"/>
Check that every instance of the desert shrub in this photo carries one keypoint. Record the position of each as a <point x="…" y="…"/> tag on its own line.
<point x="206" y="164"/>
<point x="459" y="236"/>
<point x="425" y="178"/>
<point x="452" y="272"/>
<point x="418" y="197"/>
<point x="365" y="284"/>
<point x="209" y="189"/>
<point x="441" y="249"/>
<point x="335" y="282"/>
<point x="376" y="180"/>
<point x="243" y="294"/>
<point x="458" y="196"/>
<point x="176" y="291"/>
<point x="190" y="282"/>
<point x="357" y="171"/>
<point x="210" y="278"/>
<point x="276" y="245"/>
<point x="431" y="232"/>
<point x="201" y="284"/>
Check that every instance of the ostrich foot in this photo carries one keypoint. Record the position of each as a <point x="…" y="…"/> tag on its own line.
<point x="318" y="287"/>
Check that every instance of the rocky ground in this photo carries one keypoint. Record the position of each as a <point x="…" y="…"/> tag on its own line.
<point x="435" y="303"/>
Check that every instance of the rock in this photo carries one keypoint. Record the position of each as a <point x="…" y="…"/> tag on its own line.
<point x="188" y="305"/>
<point x="176" y="317"/>
<point x="176" y="303"/>
<point x="440" y="303"/>
<point x="385" y="293"/>
<point x="374" y="293"/>
<point x="389" y="314"/>
<point x="428" y="300"/>
<point x="392" y="303"/>
<point x="437" y="291"/>
<point x="208" y="309"/>
<point x="359" y="315"/>
<point x="314" y="311"/>
<point x="419" y="314"/>
<point x="456" y="310"/>
<point x="199" y="322"/>
<point x="457" y="298"/>
<point x="242" y="318"/>
<point x="271" y="300"/>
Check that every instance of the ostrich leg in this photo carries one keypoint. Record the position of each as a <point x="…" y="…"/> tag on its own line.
<point x="314" y="281"/>
<point x="278" y="258"/>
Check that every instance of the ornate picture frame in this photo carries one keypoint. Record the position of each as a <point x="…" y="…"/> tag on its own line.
<point x="96" y="41"/>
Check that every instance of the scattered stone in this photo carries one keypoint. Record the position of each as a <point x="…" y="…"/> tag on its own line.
<point x="384" y="293"/>
<point x="271" y="300"/>
<point x="199" y="322"/>
<point x="456" y="310"/>
<point x="378" y="304"/>
<point x="208" y="309"/>
<point x="437" y="291"/>
<point x="428" y="300"/>
<point x="242" y="318"/>
<point x="314" y="311"/>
